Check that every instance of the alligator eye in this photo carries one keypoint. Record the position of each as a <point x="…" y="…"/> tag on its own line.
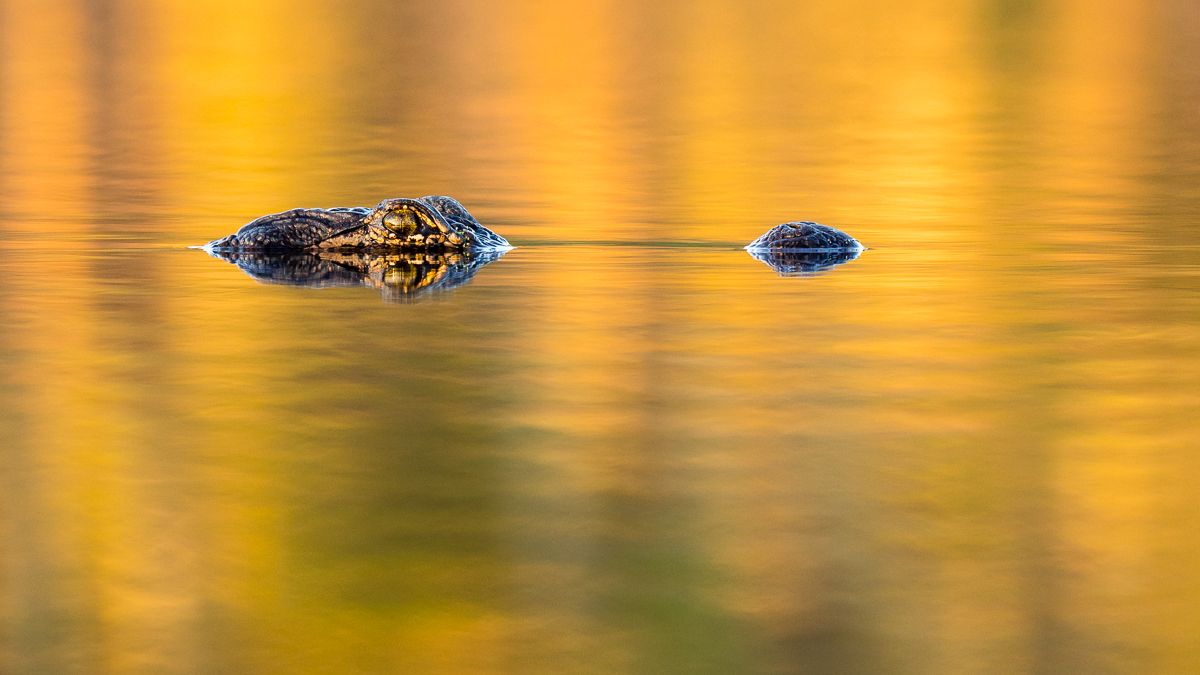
<point x="404" y="222"/>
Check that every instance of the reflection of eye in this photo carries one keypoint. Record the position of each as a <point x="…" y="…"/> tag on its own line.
<point x="404" y="222"/>
<point x="405" y="275"/>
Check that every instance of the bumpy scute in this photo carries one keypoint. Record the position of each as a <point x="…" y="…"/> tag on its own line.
<point x="804" y="235"/>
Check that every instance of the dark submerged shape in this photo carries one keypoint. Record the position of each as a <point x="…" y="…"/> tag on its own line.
<point x="400" y="276"/>
<point x="805" y="235"/>
<point x="804" y="248"/>
<point x="430" y="223"/>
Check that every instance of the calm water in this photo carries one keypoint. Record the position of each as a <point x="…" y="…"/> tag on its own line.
<point x="626" y="447"/>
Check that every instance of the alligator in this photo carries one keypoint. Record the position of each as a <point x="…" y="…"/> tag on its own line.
<point x="407" y="248"/>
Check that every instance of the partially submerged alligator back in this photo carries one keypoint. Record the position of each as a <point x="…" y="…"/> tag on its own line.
<point x="430" y="223"/>
<point x="804" y="248"/>
<point x="805" y="235"/>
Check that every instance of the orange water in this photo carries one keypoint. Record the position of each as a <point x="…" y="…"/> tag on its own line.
<point x="626" y="447"/>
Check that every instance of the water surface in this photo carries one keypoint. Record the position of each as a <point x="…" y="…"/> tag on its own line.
<point x="626" y="446"/>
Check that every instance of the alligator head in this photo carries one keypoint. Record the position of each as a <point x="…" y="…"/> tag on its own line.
<point x="430" y="223"/>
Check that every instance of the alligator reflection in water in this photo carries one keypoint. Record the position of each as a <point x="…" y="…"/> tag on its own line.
<point x="400" y="276"/>
<point x="803" y="263"/>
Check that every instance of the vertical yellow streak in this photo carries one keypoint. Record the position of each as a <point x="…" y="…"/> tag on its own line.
<point x="46" y="113"/>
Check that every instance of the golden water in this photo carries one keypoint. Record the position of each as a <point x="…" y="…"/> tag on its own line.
<point x="626" y="447"/>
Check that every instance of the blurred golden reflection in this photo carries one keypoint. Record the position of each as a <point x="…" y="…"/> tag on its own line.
<point x="627" y="446"/>
<point x="399" y="276"/>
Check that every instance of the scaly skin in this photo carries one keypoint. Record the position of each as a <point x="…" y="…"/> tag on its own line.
<point x="805" y="235"/>
<point x="427" y="224"/>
